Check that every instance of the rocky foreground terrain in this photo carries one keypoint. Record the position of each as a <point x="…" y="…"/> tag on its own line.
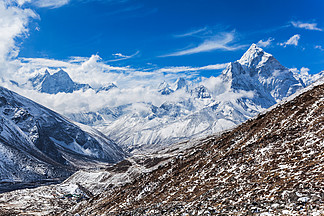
<point x="270" y="165"/>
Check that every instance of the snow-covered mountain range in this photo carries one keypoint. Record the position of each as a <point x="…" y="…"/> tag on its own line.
<point x="39" y="144"/>
<point x="245" y="88"/>
<point x="186" y="108"/>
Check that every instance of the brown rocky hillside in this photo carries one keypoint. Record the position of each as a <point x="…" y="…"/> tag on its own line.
<point x="272" y="164"/>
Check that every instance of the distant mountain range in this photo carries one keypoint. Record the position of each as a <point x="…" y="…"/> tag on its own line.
<point x="245" y="88"/>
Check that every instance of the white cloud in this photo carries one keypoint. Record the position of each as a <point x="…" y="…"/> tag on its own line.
<point x="304" y="71"/>
<point x="266" y="43"/>
<point x="43" y="62"/>
<point x="91" y="70"/>
<point x="188" y="69"/>
<point x="134" y="86"/>
<point x="319" y="47"/>
<point x="21" y="2"/>
<point x="291" y="41"/>
<point x="13" y="24"/>
<point x="89" y="100"/>
<point x="96" y="72"/>
<point x="121" y="57"/>
<point x="308" y="26"/>
<point x="221" y="91"/>
<point x="221" y="42"/>
<point x="50" y="3"/>
<point x="191" y="33"/>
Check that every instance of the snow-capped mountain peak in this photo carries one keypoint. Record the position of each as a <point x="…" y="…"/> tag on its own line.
<point x="180" y="83"/>
<point x="255" y="61"/>
<point x="260" y="72"/>
<point x="251" y="54"/>
<point x="165" y="89"/>
<point x="55" y="83"/>
<point x="106" y="87"/>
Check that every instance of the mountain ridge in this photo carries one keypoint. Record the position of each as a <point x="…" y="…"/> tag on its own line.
<point x="36" y="143"/>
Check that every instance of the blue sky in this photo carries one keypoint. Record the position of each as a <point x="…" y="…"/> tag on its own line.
<point x="162" y="33"/>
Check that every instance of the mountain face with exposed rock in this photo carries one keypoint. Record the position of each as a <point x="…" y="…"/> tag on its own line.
<point x="38" y="144"/>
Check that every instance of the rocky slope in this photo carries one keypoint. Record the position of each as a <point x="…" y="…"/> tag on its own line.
<point x="37" y="144"/>
<point x="272" y="164"/>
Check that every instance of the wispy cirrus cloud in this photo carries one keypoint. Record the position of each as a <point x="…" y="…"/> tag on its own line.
<point x="291" y="41"/>
<point x="221" y="41"/>
<point x="120" y="57"/>
<point x="193" y="32"/>
<point x="188" y="69"/>
<point x="104" y="1"/>
<point x="266" y="43"/>
<point x="305" y="25"/>
<point x="50" y="3"/>
<point x="319" y="47"/>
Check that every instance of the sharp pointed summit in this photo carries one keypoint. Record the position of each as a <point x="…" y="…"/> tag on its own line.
<point x="260" y="72"/>
<point x="164" y="88"/>
<point x="256" y="60"/>
<point x="252" y="53"/>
